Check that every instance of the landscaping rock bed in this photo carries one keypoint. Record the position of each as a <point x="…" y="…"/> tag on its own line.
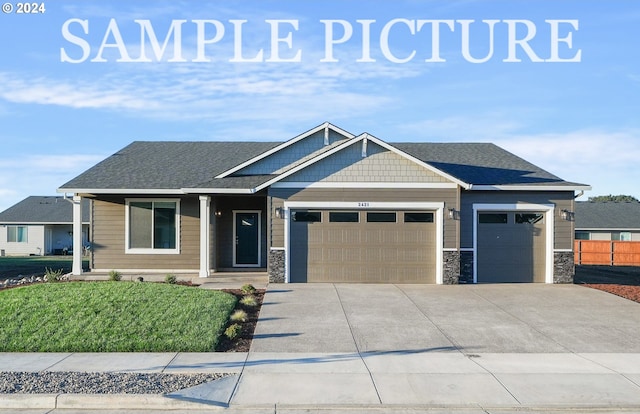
<point x="99" y="383"/>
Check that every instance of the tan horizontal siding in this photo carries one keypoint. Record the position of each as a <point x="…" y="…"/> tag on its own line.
<point x="564" y="229"/>
<point x="109" y="238"/>
<point x="446" y="195"/>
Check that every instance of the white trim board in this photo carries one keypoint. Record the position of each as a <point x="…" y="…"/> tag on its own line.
<point x="364" y="185"/>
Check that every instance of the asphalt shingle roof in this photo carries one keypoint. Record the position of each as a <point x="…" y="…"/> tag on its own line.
<point x="166" y="165"/>
<point x="147" y="165"/>
<point x="607" y="215"/>
<point x="43" y="209"/>
<point x="479" y="163"/>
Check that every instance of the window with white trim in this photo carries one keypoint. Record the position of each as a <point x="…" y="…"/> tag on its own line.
<point x="17" y="234"/>
<point x="153" y="226"/>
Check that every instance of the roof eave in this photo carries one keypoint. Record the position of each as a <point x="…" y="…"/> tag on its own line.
<point x="525" y="187"/>
<point x="120" y="190"/>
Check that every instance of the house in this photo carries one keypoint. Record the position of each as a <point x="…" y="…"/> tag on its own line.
<point x="329" y="206"/>
<point x="40" y="226"/>
<point x="608" y="221"/>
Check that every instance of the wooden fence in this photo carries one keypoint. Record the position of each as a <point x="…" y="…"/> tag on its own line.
<point x="607" y="252"/>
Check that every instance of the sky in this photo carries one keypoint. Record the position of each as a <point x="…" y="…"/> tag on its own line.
<point x="555" y="82"/>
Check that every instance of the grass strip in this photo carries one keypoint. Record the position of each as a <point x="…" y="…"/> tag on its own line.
<point x="112" y="317"/>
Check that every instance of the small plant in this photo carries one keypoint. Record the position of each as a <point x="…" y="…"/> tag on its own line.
<point x="115" y="276"/>
<point x="171" y="279"/>
<point x="248" y="289"/>
<point x="249" y="300"/>
<point x="52" y="275"/>
<point x="233" y="331"/>
<point x="239" y="316"/>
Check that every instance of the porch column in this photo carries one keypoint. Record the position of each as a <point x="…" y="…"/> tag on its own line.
<point x="205" y="236"/>
<point x="78" y="248"/>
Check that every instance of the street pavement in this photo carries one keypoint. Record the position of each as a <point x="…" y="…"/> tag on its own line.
<point x="400" y="348"/>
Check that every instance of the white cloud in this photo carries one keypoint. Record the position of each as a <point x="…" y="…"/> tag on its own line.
<point x="39" y="174"/>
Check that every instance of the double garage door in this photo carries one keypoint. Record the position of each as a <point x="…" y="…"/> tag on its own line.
<point x="362" y="246"/>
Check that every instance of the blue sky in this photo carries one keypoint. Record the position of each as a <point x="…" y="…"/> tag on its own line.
<point x="580" y="120"/>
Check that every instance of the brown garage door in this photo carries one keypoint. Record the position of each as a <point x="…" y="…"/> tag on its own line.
<point x="362" y="246"/>
<point x="511" y="247"/>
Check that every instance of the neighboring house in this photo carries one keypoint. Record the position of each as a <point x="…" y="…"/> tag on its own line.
<point x="608" y="220"/>
<point x="40" y="226"/>
<point x="329" y="206"/>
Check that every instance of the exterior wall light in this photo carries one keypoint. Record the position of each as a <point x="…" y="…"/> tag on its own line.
<point x="218" y="213"/>
<point x="453" y="214"/>
<point x="566" y="214"/>
<point x="279" y="212"/>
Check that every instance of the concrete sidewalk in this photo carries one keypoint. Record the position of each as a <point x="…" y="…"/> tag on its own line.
<point x="383" y="348"/>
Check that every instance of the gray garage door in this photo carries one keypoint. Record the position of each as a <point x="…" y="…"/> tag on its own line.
<point x="511" y="247"/>
<point x="362" y="246"/>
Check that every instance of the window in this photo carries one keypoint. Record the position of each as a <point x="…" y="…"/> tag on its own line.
<point x="17" y="234"/>
<point x="343" y="217"/>
<point x="307" y="216"/>
<point x="381" y="217"/>
<point x="621" y="236"/>
<point x="529" y="218"/>
<point x="492" y="218"/>
<point x="583" y="235"/>
<point x="418" y="217"/>
<point x="153" y="226"/>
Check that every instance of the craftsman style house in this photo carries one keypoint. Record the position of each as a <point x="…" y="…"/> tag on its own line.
<point x="330" y="206"/>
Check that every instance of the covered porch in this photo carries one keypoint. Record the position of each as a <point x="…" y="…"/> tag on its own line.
<point x="209" y="236"/>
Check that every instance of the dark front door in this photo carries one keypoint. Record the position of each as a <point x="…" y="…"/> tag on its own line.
<point x="247" y="238"/>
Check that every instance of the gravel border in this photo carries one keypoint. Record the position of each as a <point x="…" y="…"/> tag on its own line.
<point x="99" y="382"/>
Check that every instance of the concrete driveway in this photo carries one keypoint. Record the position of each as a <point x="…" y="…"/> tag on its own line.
<point x="497" y="318"/>
<point x="508" y="347"/>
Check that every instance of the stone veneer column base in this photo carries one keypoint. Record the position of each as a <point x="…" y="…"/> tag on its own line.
<point x="451" y="267"/>
<point x="275" y="266"/>
<point x="564" y="267"/>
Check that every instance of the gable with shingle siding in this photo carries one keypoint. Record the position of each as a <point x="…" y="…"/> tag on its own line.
<point x="379" y="165"/>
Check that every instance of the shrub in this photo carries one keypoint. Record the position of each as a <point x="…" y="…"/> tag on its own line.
<point x="171" y="279"/>
<point x="233" y="331"/>
<point x="52" y="275"/>
<point x="249" y="300"/>
<point x="239" y="316"/>
<point x="248" y="289"/>
<point x="115" y="276"/>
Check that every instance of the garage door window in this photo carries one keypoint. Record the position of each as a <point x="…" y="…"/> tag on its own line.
<point x="418" y="217"/>
<point x="381" y="217"/>
<point x="529" y="218"/>
<point x="307" y="216"/>
<point x="344" y="217"/>
<point x="492" y="218"/>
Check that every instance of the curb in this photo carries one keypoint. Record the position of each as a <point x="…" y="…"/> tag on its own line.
<point x="97" y="402"/>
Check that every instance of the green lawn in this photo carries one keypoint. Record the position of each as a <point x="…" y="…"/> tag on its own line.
<point x="112" y="317"/>
<point x="34" y="265"/>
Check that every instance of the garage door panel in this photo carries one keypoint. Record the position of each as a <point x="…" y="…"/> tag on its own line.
<point x="369" y="252"/>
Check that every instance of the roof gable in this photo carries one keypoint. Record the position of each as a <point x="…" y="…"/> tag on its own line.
<point x="44" y="210"/>
<point x="368" y="162"/>
<point x="293" y="152"/>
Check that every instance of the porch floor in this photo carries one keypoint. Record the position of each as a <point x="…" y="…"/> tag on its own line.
<point x="217" y="280"/>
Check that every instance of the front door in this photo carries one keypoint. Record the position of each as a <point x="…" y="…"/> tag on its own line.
<point x="246" y="232"/>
